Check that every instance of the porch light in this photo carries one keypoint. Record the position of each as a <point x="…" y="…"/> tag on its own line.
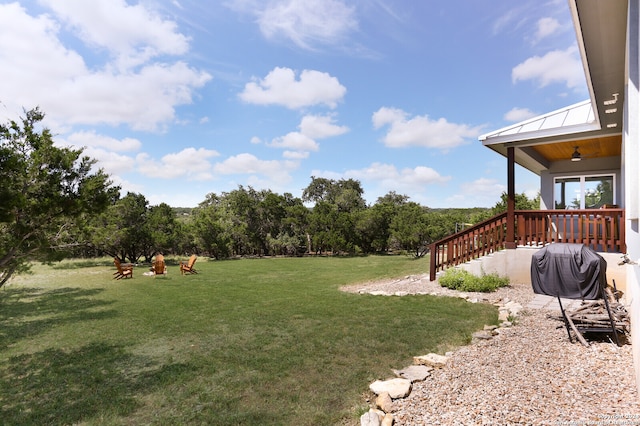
<point x="576" y="156"/>
<point x="613" y="100"/>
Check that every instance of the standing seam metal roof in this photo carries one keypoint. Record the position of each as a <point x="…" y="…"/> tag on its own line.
<point x="560" y="121"/>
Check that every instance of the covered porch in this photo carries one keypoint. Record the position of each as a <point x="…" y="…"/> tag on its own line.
<point x="581" y="187"/>
<point x="577" y="152"/>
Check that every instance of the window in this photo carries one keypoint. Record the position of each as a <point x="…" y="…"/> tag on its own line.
<point x="583" y="192"/>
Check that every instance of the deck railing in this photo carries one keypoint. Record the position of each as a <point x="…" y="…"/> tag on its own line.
<point x="600" y="229"/>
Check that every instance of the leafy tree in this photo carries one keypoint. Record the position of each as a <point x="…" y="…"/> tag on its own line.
<point x="121" y="231"/>
<point x="321" y="221"/>
<point x="209" y="232"/>
<point x="522" y="202"/>
<point x="241" y="222"/>
<point x="46" y="194"/>
<point x="162" y="229"/>
<point x="345" y="194"/>
<point x="441" y="224"/>
<point x="373" y="224"/>
<point x="290" y="236"/>
<point x="337" y="205"/>
<point x="133" y="209"/>
<point x="410" y="229"/>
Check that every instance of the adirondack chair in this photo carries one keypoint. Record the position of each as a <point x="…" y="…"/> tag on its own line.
<point x="159" y="267"/>
<point x="123" y="271"/>
<point x="187" y="267"/>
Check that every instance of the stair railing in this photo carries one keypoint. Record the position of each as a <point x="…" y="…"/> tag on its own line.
<point x="600" y="229"/>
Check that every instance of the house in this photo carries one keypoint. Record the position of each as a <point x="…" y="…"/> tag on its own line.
<point x="588" y="158"/>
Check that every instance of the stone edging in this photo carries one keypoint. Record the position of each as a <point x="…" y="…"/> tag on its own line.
<point x="381" y="410"/>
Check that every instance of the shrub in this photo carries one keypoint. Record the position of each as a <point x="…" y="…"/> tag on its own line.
<point x="459" y="279"/>
<point x="454" y="278"/>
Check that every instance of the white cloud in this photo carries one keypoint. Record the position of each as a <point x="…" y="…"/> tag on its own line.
<point x="503" y="21"/>
<point x="92" y="139"/>
<point x="249" y="164"/>
<point x="311" y="127"/>
<point x="36" y="60"/>
<point x="295" y="155"/>
<point x="127" y="186"/>
<point x="320" y="127"/>
<point x="190" y="163"/>
<point x="295" y="140"/>
<point x="143" y="99"/>
<point x="271" y="174"/>
<point x="484" y="186"/>
<point x="28" y="47"/>
<point x="133" y="34"/>
<point x="482" y="192"/>
<point x="280" y="87"/>
<point x="387" y="177"/>
<point x="519" y="114"/>
<point x="557" y="66"/>
<point x="112" y="162"/>
<point x="546" y="27"/>
<point x="421" y="130"/>
<point x="305" y="23"/>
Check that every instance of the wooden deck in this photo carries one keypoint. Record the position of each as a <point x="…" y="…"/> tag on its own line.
<point x="600" y="229"/>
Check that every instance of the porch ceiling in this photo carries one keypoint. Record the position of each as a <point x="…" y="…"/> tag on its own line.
<point x="605" y="146"/>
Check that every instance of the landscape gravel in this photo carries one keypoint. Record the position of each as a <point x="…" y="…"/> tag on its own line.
<point x="528" y="374"/>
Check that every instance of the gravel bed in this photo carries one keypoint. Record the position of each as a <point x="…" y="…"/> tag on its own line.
<point x="529" y="374"/>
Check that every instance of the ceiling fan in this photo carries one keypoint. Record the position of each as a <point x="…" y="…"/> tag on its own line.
<point x="577" y="156"/>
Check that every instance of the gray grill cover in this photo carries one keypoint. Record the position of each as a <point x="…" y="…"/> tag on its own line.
<point x="572" y="271"/>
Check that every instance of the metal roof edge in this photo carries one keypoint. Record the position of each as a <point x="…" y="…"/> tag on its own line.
<point x="532" y="135"/>
<point x="543" y="134"/>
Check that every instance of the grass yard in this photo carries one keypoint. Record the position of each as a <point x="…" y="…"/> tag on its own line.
<point x="244" y="342"/>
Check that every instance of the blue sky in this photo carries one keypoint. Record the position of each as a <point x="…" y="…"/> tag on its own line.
<point x="180" y="98"/>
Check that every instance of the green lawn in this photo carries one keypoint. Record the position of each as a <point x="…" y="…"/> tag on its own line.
<point x="244" y="342"/>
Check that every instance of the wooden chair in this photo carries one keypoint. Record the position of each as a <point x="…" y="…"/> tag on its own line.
<point x="187" y="267"/>
<point x="159" y="267"/>
<point x="123" y="271"/>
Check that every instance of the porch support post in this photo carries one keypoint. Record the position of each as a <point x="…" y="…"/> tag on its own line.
<point x="510" y="242"/>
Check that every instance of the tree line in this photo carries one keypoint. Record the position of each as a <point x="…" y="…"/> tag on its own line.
<point x="249" y="222"/>
<point x="54" y="204"/>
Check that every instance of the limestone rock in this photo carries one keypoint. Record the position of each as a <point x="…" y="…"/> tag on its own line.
<point x="387" y="420"/>
<point x="370" y="418"/>
<point x="415" y="373"/>
<point x="503" y="315"/>
<point x="482" y="335"/>
<point x="384" y="402"/>
<point x="432" y="360"/>
<point x="513" y="307"/>
<point x="397" y="388"/>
